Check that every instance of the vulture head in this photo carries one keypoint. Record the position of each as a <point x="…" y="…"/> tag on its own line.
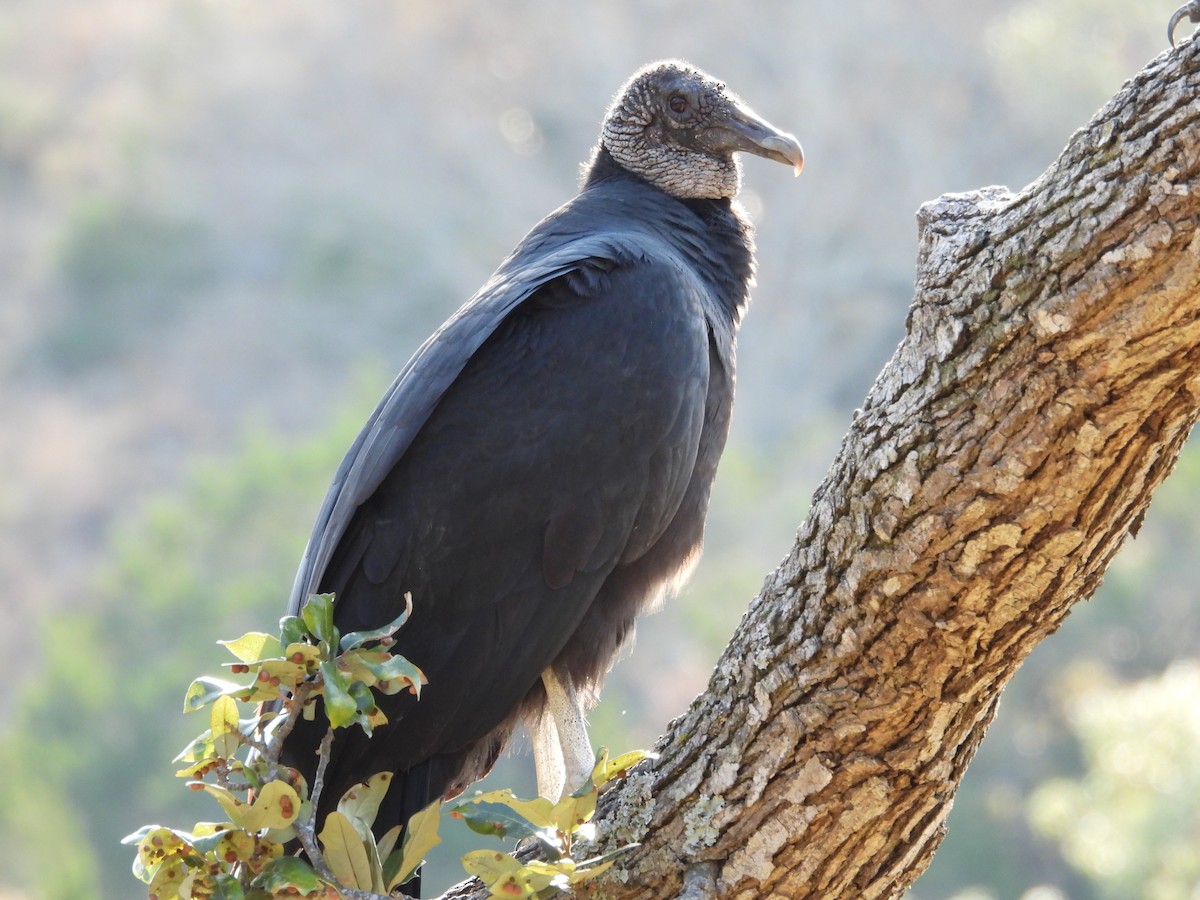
<point x="679" y="129"/>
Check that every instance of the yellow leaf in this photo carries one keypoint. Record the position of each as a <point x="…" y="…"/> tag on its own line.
<point x="168" y="878"/>
<point x="276" y="806"/>
<point x="420" y="837"/>
<point x="572" y="811"/>
<point x="560" y="868"/>
<point x="158" y="845"/>
<point x="360" y="804"/>
<point x="258" y="691"/>
<point x="196" y="769"/>
<point x="223" y="720"/>
<point x="253" y="647"/>
<point x="490" y="866"/>
<point x="285" y="670"/>
<point x="302" y="653"/>
<point x="607" y="769"/>
<point x="240" y="814"/>
<point x="279" y="803"/>
<point x="508" y="877"/>
<point x="387" y="843"/>
<point x="344" y="852"/>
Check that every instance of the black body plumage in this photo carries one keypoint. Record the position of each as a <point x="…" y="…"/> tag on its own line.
<point x="537" y="475"/>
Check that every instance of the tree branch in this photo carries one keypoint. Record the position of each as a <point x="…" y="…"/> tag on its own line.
<point x="1048" y="379"/>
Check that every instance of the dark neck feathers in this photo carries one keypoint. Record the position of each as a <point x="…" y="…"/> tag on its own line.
<point x="715" y="234"/>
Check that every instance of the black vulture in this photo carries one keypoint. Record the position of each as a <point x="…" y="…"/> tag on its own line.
<point x="539" y="472"/>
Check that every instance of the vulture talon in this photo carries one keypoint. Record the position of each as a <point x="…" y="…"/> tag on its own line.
<point x="1189" y="11"/>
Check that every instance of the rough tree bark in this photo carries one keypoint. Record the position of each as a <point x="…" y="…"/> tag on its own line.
<point x="1048" y="379"/>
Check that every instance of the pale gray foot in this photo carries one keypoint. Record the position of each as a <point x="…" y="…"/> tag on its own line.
<point x="562" y="753"/>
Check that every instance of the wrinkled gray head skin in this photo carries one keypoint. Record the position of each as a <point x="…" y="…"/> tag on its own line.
<point x="679" y="129"/>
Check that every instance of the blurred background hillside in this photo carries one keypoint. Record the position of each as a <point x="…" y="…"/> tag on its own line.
<point x="226" y="224"/>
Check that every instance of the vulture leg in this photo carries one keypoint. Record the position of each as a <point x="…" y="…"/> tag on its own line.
<point x="547" y="758"/>
<point x="562" y="753"/>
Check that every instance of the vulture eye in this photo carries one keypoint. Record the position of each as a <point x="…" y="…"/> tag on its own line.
<point x="678" y="103"/>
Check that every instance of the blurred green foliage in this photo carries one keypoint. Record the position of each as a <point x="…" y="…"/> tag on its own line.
<point x="127" y="267"/>
<point x="340" y="254"/>
<point x="93" y="728"/>
<point x="1131" y="822"/>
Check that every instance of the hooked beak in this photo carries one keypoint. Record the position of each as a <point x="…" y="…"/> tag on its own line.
<point x="745" y="131"/>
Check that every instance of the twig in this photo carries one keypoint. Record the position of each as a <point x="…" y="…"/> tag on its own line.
<point x="306" y="829"/>
<point x="254" y="744"/>
<point x="294" y="707"/>
<point x="322" y="763"/>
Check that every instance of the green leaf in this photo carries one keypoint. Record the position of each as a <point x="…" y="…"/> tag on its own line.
<point x="536" y="811"/>
<point x="318" y="617"/>
<point x="345" y="853"/>
<point x="285" y="872"/>
<point x="292" y="630"/>
<point x="226" y="887"/>
<point x="199" y="749"/>
<point x="254" y="647"/>
<point x="223" y="720"/>
<point x="205" y="689"/>
<point x="206" y="836"/>
<point x="340" y="706"/>
<point x="358" y="638"/>
<point x="398" y="672"/>
<point x="501" y="814"/>
<point x="420" y="837"/>
<point x="360" y="804"/>
<point x="364" y="700"/>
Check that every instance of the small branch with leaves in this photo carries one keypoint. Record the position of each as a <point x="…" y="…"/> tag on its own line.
<point x="270" y="808"/>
